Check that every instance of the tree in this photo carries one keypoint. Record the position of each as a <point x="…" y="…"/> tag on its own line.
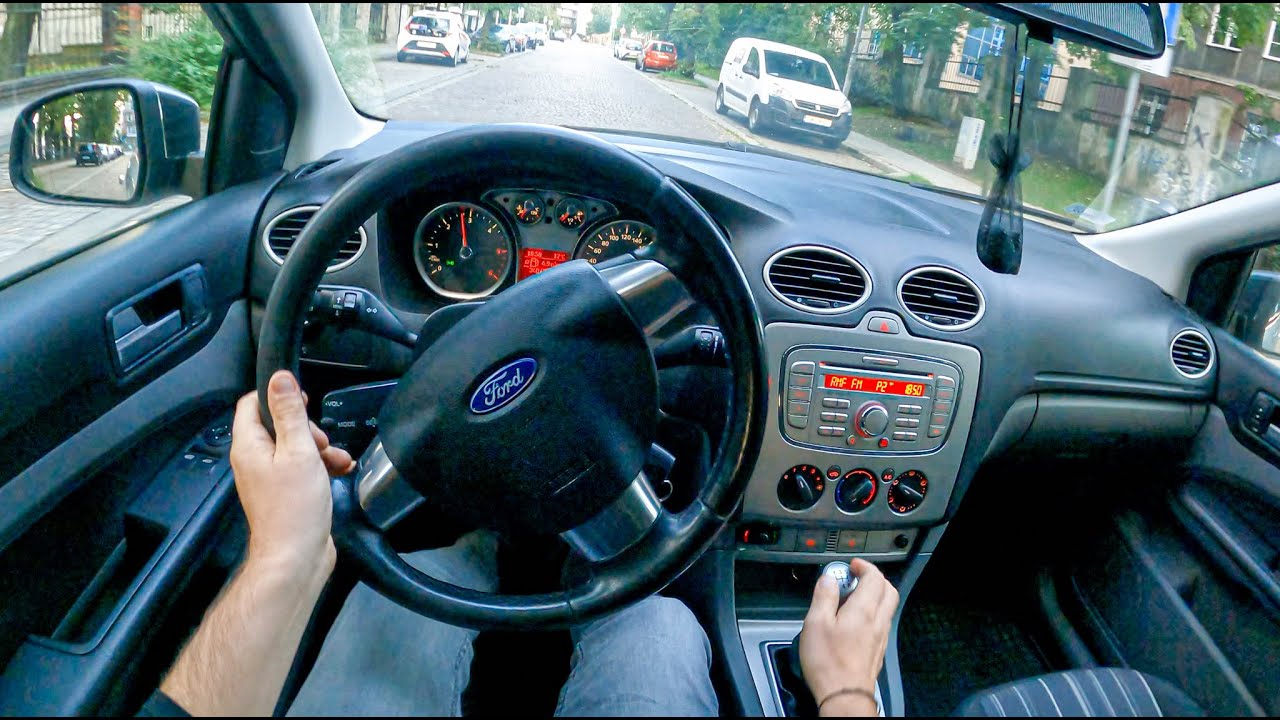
<point x="15" y="42"/>
<point x="1248" y="22"/>
<point x="599" y="24"/>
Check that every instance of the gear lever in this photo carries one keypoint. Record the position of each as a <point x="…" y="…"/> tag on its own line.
<point x="792" y="689"/>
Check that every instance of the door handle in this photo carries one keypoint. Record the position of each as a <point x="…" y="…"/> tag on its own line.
<point x="134" y="344"/>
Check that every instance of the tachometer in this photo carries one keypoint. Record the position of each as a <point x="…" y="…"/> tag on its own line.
<point x="462" y="251"/>
<point x="617" y="238"/>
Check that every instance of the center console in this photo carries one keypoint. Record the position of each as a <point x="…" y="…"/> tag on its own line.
<point x="868" y="430"/>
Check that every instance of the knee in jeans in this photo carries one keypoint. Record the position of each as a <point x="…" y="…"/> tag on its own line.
<point x="671" y="619"/>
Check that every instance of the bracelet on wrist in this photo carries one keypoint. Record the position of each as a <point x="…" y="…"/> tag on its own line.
<point x="849" y="691"/>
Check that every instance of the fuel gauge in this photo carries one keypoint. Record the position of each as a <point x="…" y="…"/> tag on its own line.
<point x="570" y="214"/>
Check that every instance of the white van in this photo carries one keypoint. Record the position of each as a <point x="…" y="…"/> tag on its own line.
<point x="781" y="86"/>
<point x="435" y="35"/>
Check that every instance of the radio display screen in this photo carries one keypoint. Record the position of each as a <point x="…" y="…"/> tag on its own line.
<point x="874" y="385"/>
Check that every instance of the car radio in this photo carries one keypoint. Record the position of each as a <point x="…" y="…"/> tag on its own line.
<point x="866" y="403"/>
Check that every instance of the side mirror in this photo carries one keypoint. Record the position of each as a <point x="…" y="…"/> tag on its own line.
<point x="109" y="142"/>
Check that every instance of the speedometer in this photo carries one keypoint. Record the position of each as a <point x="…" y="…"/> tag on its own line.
<point x="617" y="238"/>
<point x="462" y="251"/>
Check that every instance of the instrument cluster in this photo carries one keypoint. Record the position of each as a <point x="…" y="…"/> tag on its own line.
<point x="467" y="250"/>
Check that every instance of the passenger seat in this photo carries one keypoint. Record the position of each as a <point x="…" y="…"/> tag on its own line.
<point x="1091" y="692"/>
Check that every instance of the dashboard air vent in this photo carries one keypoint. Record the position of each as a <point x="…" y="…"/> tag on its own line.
<point x="941" y="298"/>
<point x="817" y="279"/>
<point x="283" y="231"/>
<point x="1192" y="353"/>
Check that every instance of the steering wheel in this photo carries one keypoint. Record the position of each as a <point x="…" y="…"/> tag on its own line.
<point x="535" y="412"/>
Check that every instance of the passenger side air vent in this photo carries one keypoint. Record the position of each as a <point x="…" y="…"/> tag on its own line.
<point x="1192" y="354"/>
<point x="817" y="279"/>
<point x="941" y="298"/>
<point x="283" y="231"/>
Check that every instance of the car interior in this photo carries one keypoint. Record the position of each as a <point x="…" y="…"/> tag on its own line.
<point x="759" y="365"/>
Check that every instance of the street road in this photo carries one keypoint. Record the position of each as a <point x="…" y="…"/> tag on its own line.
<point x="91" y="181"/>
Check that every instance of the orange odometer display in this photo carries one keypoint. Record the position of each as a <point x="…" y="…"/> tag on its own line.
<point x="874" y="385"/>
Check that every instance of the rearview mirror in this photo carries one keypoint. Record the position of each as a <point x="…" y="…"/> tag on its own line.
<point x="1130" y="28"/>
<point x="114" y="142"/>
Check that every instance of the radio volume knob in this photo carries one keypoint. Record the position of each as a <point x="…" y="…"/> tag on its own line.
<point x="872" y="419"/>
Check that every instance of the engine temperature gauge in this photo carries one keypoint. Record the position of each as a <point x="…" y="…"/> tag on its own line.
<point x="530" y="210"/>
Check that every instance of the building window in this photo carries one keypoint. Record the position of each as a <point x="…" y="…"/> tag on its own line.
<point x="1148" y="116"/>
<point x="1046" y="73"/>
<point x="868" y="45"/>
<point x="1220" y="34"/>
<point x="1271" y="49"/>
<point x="912" y="54"/>
<point x="980" y="43"/>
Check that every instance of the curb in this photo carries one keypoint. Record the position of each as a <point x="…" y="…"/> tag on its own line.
<point x="719" y="120"/>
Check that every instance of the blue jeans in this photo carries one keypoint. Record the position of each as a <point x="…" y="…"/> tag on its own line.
<point x="651" y="658"/>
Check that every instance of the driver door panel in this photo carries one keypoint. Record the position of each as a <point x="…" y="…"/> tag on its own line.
<point x="102" y="520"/>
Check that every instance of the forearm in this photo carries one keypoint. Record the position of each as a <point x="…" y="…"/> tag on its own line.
<point x="237" y="662"/>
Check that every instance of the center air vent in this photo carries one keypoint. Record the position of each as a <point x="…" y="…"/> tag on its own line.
<point x="1192" y="354"/>
<point x="941" y="298"/>
<point x="817" y="279"/>
<point x="283" y="231"/>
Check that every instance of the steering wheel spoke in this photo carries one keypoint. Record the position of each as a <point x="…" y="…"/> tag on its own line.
<point x="653" y="295"/>
<point x="382" y="492"/>
<point x="620" y="525"/>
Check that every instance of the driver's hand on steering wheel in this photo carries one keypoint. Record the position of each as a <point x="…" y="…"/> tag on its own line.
<point x="842" y="646"/>
<point x="284" y="483"/>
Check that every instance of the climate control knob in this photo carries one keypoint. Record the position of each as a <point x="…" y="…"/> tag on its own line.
<point x="872" y="419"/>
<point x="907" y="491"/>
<point x="856" y="490"/>
<point x="800" y="487"/>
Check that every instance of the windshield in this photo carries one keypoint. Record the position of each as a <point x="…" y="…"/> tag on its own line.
<point x="800" y="69"/>
<point x="1114" y="142"/>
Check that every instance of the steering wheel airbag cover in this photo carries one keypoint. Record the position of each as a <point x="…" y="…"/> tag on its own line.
<point x="561" y="449"/>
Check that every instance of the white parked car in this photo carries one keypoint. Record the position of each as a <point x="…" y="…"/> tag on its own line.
<point x="627" y="48"/>
<point x="435" y="35"/>
<point x="782" y="86"/>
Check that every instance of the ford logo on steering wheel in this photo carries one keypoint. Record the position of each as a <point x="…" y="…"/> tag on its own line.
<point x="503" y="386"/>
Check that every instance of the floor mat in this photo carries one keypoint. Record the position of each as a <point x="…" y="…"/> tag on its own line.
<point x="947" y="652"/>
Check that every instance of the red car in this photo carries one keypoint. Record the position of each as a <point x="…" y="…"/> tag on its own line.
<point x="657" y="55"/>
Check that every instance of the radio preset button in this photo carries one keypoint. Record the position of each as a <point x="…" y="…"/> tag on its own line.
<point x="936" y="431"/>
<point x="905" y="435"/>
<point x="798" y="380"/>
<point x="797" y="408"/>
<point x="946" y="382"/>
<point x="798" y="421"/>
<point x="944" y="394"/>
<point x="830" y="431"/>
<point x="942" y="406"/>
<point x="803" y="368"/>
<point x="801" y="394"/>
<point x="835" y="417"/>
<point x="938" y="419"/>
<point x="839" y="403"/>
<point x="907" y="422"/>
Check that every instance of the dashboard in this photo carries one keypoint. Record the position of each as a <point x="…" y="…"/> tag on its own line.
<point x="897" y="362"/>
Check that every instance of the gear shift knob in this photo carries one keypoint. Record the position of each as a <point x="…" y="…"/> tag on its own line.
<point x="843" y="576"/>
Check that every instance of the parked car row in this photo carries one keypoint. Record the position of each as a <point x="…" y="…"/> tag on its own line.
<point x="519" y="37"/>
<point x="97" y="153"/>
